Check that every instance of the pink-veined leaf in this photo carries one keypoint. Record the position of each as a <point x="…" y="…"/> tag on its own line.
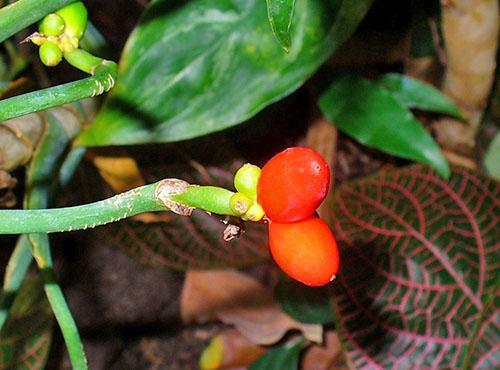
<point x="417" y="287"/>
<point x="26" y="336"/>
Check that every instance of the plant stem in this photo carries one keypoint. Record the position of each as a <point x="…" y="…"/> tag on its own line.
<point x="208" y="198"/>
<point x="41" y="252"/>
<point x="102" y="81"/>
<point x="22" y="13"/>
<point x="15" y="272"/>
<point x="148" y="198"/>
<point x="82" y="60"/>
<point x="39" y="178"/>
<point x="80" y="217"/>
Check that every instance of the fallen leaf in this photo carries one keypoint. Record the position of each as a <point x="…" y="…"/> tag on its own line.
<point x="120" y="171"/>
<point x="324" y="357"/>
<point x="239" y="300"/>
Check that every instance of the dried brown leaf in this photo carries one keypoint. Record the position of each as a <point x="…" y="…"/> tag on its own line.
<point x="238" y="351"/>
<point x="239" y="300"/>
<point x="119" y="170"/>
<point x="324" y="357"/>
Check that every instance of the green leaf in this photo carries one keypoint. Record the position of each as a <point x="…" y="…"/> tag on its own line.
<point x="373" y="116"/>
<point x="280" y="358"/>
<point x="26" y="337"/>
<point x="413" y="93"/>
<point x="207" y="65"/>
<point x="418" y="283"/>
<point x="305" y="304"/>
<point x="491" y="159"/>
<point x="280" y="14"/>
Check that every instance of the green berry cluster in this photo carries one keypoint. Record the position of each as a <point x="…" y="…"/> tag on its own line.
<point x="244" y="201"/>
<point x="60" y="32"/>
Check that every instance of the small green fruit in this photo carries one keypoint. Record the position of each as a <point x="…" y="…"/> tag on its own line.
<point x="75" y="16"/>
<point x="52" y="25"/>
<point x="50" y="54"/>
<point x="246" y="179"/>
<point x="255" y="213"/>
<point x="239" y="203"/>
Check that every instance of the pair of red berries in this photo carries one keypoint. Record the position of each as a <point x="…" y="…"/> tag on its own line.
<point x="290" y="188"/>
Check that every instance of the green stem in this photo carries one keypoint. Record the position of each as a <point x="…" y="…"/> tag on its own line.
<point x="39" y="178"/>
<point x="208" y="198"/>
<point x="22" y="13"/>
<point x="83" y="60"/>
<point x="41" y="252"/>
<point x="15" y="272"/>
<point x="102" y="81"/>
<point x="148" y="198"/>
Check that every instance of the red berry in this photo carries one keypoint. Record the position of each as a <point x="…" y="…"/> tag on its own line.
<point x="305" y="250"/>
<point x="293" y="184"/>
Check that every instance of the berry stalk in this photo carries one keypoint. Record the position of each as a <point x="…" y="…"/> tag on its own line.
<point x="166" y="195"/>
<point x="102" y="81"/>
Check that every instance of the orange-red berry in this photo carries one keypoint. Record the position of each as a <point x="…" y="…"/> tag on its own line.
<point x="293" y="184"/>
<point x="305" y="250"/>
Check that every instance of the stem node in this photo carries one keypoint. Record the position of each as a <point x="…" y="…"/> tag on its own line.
<point x="169" y="187"/>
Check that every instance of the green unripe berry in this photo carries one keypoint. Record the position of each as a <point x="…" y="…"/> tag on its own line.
<point x="75" y="17"/>
<point x="50" y="54"/>
<point x="255" y="213"/>
<point x="240" y="203"/>
<point x="52" y="25"/>
<point x="246" y="179"/>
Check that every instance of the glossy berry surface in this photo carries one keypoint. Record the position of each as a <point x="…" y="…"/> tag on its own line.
<point x="305" y="250"/>
<point x="293" y="184"/>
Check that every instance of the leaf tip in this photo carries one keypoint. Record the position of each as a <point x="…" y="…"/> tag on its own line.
<point x="443" y="169"/>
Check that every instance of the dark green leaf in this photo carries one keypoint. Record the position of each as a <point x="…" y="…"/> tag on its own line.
<point x="25" y="339"/>
<point x="413" y="93"/>
<point x="305" y="304"/>
<point x="280" y="14"/>
<point x="418" y="283"/>
<point x="373" y="116"/>
<point x="204" y="66"/>
<point x="279" y="358"/>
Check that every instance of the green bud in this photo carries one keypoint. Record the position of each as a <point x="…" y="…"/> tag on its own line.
<point x="246" y="179"/>
<point x="75" y="16"/>
<point x="255" y="213"/>
<point x="50" y="54"/>
<point x="240" y="203"/>
<point x="52" y="25"/>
